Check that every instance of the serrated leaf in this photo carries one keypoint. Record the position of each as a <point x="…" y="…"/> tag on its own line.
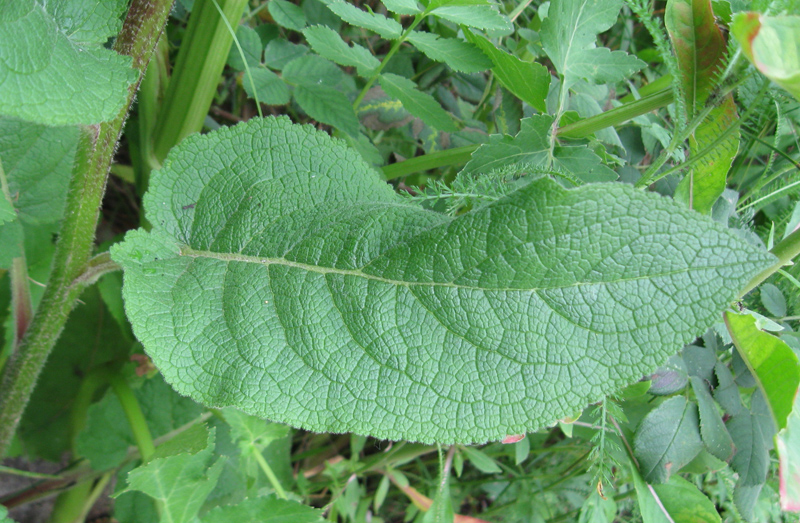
<point x="287" y="15"/>
<point x="667" y="439"/>
<point x="315" y="71"/>
<point x="530" y="150"/>
<point x="700" y="362"/>
<point x="107" y="434"/>
<point x="772" y="44"/>
<point x="485" y="17"/>
<point x="270" y="89"/>
<point x="568" y="37"/>
<point x="712" y="430"/>
<point x="680" y="499"/>
<point x="403" y="7"/>
<point x="264" y="510"/>
<point x="386" y="27"/>
<point x="252" y="48"/>
<point x="457" y="54"/>
<point x="380" y="111"/>
<point x="283" y="277"/>
<point x="330" y="45"/>
<point x="727" y="393"/>
<point x="773" y="300"/>
<point x="751" y="460"/>
<point x="788" y="443"/>
<point x="180" y="475"/>
<point x="46" y="50"/>
<point x="280" y="52"/>
<point x="328" y="106"/>
<point x="421" y="105"/>
<point x="770" y="360"/>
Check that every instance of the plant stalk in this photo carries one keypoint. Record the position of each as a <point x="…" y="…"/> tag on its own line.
<point x="786" y="250"/>
<point x="96" y="146"/>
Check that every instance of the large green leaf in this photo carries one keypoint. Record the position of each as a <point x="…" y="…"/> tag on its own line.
<point x="386" y="27"/>
<point x="283" y="277"/>
<point x="676" y="501"/>
<point x="772" y="43"/>
<point x="330" y="45"/>
<point x="421" y="105"/>
<point x="788" y="443"/>
<point x="54" y="69"/>
<point x="458" y="54"/>
<point x="264" y="510"/>
<point x="569" y="34"/>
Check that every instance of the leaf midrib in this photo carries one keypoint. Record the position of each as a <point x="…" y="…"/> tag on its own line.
<point x="185" y="250"/>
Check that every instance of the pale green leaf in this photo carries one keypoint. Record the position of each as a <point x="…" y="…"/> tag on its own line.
<point x="667" y="439"/>
<point x="433" y="4"/>
<point x="270" y="89"/>
<point x="180" y="475"/>
<point x="287" y="15"/>
<point x="330" y="45"/>
<point x="386" y="27"/>
<point x="7" y="212"/>
<point x="457" y="54"/>
<point x="252" y="49"/>
<point x="284" y="278"/>
<point x="421" y="105"/>
<point x="677" y="501"/>
<point x="485" y="17"/>
<point x="712" y="430"/>
<point x="264" y="510"/>
<point x="105" y="439"/>
<point x="770" y="360"/>
<point x="568" y="37"/>
<point x="481" y="461"/>
<point x="772" y="43"/>
<point x="527" y="80"/>
<point x="773" y="300"/>
<point x="597" y="509"/>
<point x="530" y="150"/>
<point x="788" y="443"/>
<point x="46" y="52"/>
<point x="403" y="7"/>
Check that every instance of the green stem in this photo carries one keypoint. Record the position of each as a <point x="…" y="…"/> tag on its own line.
<point x="197" y="71"/>
<point x="395" y="47"/>
<point x="587" y="126"/>
<point x="140" y="33"/>
<point x="455" y="156"/>
<point x="786" y="250"/>
<point x="273" y="479"/>
<point x="134" y="415"/>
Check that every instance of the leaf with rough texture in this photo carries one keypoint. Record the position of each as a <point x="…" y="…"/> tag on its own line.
<point x="457" y="54"/>
<point x="712" y="430"/>
<point x="330" y="45"/>
<point x="421" y="105"/>
<point x="403" y="7"/>
<point x="771" y="362"/>
<point x="772" y="43"/>
<point x="107" y="435"/>
<point x="46" y="52"/>
<point x="284" y="278"/>
<point x="485" y="17"/>
<point x="180" y="474"/>
<point x="264" y="510"/>
<point x="667" y="439"/>
<point x="270" y="89"/>
<point x="568" y="37"/>
<point x="530" y="150"/>
<point x="287" y="15"/>
<point x="788" y="443"/>
<point x="528" y="81"/>
<point x="386" y="27"/>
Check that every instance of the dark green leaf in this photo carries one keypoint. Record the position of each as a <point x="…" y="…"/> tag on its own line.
<point x="669" y="378"/>
<point x="727" y="393"/>
<point x="700" y="362"/>
<point x="751" y="460"/>
<point x="287" y="15"/>
<point x="328" y="106"/>
<point x="251" y="47"/>
<point x="275" y="227"/>
<point x="279" y="53"/>
<point x="667" y="439"/>
<point x="264" y="510"/>
<point x="457" y="54"/>
<point x="330" y="45"/>
<point x="712" y="430"/>
<point x="270" y="89"/>
<point x="421" y="105"/>
<point x="484" y="17"/>
<point x="402" y="7"/>
<point x="386" y="27"/>
<point x="773" y="300"/>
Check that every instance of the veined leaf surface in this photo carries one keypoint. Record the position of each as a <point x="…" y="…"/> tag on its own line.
<point x="284" y="278"/>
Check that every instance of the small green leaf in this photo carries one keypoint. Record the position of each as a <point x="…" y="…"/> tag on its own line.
<point x="485" y="17"/>
<point x="328" y="106"/>
<point x="597" y="509"/>
<point x="788" y="443"/>
<point x="700" y="362"/>
<point x="381" y="492"/>
<point x="403" y="7"/>
<point x="270" y="89"/>
<point x="727" y="393"/>
<point x="45" y="53"/>
<point x="264" y="510"/>
<point x="251" y="46"/>
<point x="280" y="52"/>
<point x="522" y="449"/>
<point x="712" y="430"/>
<point x="386" y="27"/>
<point x="680" y="499"/>
<point x="457" y="54"/>
<point x="180" y="474"/>
<point x="772" y="43"/>
<point x="568" y="37"/>
<point x="266" y="228"/>
<point x="287" y="15"/>
<point x="751" y="460"/>
<point x="481" y="461"/>
<point x="530" y="150"/>
<point x="7" y="212"/>
<point x="421" y="105"/>
<point x="667" y="439"/>
<point x="315" y="71"/>
<point x="770" y="360"/>
<point x="773" y="300"/>
<point x="330" y="45"/>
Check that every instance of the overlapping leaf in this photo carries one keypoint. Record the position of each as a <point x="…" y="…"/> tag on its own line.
<point x="284" y="278"/>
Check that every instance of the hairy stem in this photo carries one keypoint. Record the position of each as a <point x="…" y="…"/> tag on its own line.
<point x="142" y="28"/>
